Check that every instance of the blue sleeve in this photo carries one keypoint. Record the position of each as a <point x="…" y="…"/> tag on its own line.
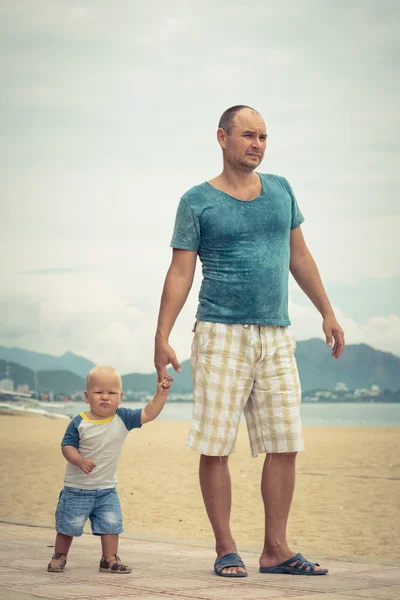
<point x="297" y="217"/>
<point x="71" y="435"/>
<point x="186" y="234"/>
<point x="130" y="417"/>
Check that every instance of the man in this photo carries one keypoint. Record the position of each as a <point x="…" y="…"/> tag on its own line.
<point x="245" y="227"/>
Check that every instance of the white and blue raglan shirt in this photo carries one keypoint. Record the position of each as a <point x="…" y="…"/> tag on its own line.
<point x="102" y="442"/>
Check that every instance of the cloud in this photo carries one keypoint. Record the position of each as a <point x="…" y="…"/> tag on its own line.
<point x="19" y="320"/>
<point x="54" y="271"/>
<point x="109" y="322"/>
<point x="166" y="31"/>
<point x="382" y="333"/>
<point x="109" y="115"/>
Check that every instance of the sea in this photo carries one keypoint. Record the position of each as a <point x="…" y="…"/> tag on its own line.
<point x="330" y="414"/>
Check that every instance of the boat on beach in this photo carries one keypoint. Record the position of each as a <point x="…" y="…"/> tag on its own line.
<point x="15" y="408"/>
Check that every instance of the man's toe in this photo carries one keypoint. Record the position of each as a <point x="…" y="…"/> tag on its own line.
<point x="233" y="570"/>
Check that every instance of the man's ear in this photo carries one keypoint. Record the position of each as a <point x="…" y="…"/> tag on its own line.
<point x="120" y="398"/>
<point x="86" y="397"/>
<point x="221" y="137"/>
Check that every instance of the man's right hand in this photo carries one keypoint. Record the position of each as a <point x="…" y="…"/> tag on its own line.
<point x="163" y="356"/>
<point x="177" y="285"/>
<point x="86" y="465"/>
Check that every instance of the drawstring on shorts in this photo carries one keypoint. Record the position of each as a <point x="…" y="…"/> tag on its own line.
<point x="251" y="332"/>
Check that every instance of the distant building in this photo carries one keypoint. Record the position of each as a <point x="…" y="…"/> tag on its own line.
<point x="323" y="394"/>
<point x="48" y="396"/>
<point x="23" y="388"/>
<point x="373" y="392"/>
<point x="7" y="385"/>
<point x="341" y="387"/>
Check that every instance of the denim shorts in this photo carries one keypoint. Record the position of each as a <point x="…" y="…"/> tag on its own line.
<point x="76" y="506"/>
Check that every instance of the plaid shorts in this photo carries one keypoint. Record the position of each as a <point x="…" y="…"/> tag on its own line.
<point x="250" y="369"/>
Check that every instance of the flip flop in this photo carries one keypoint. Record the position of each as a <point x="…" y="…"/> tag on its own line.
<point x="229" y="560"/>
<point x="300" y="568"/>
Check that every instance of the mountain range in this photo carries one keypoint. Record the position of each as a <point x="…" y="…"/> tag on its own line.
<point x="47" y="362"/>
<point x="360" y="366"/>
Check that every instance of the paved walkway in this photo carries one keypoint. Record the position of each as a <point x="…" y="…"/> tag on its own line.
<point x="172" y="571"/>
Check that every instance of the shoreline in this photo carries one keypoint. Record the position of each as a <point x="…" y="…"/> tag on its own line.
<point x="21" y="412"/>
<point x="312" y="414"/>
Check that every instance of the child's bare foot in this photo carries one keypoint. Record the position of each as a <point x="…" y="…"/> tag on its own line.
<point x="57" y="563"/>
<point x="113" y="564"/>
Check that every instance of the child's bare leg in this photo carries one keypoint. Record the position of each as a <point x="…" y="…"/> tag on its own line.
<point x="63" y="543"/>
<point x="109" y="545"/>
<point x="110" y="560"/>
<point x="62" y="546"/>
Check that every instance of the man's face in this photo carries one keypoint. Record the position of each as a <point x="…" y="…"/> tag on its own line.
<point x="244" y="147"/>
<point x="104" y="394"/>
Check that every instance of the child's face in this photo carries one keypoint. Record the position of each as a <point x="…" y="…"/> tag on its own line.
<point x="104" y="394"/>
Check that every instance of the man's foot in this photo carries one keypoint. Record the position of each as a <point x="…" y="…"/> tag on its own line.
<point x="57" y="563"/>
<point x="230" y="565"/>
<point x="288" y="562"/>
<point x="113" y="564"/>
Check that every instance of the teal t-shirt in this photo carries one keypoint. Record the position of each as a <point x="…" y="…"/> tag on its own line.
<point x="244" y="248"/>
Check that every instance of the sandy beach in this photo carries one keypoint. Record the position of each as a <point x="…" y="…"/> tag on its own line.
<point x="345" y="504"/>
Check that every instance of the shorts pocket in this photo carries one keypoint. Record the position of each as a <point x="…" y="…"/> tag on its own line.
<point x="204" y="336"/>
<point x="73" y="491"/>
<point x="289" y="332"/>
<point x="294" y="344"/>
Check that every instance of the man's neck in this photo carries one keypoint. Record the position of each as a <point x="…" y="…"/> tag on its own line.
<point x="238" y="180"/>
<point x="242" y="186"/>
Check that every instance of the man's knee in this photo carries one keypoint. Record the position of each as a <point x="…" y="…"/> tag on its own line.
<point x="284" y="457"/>
<point x="212" y="460"/>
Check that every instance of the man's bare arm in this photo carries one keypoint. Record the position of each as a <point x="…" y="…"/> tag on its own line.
<point x="178" y="283"/>
<point x="305" y="271"/>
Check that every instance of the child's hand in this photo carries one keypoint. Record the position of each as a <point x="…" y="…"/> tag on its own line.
<point x="86" y="465"/>
<point x="163" y="387"/>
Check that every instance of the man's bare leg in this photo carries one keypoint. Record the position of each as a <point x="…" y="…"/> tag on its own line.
<point x="215" y="482"/>
<point x="277" y="487"/>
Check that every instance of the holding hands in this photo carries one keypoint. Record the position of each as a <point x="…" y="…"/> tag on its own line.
<point x="164" y="355"/>
<point x="164" y="385"/>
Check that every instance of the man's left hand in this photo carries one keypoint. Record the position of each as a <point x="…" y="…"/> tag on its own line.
<point x="334" y="335"/>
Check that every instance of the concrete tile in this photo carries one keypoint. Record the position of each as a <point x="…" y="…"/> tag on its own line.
<point x="242" y="593"/>
<point x="387" y="593"/>
<point x="327" y="596"/>
<point x="173" y="572"/>
<point x="60" y="591"/>
<point x="378" y="575"/>
<point x="323" y="584"/>
<point x="12" y="595"/>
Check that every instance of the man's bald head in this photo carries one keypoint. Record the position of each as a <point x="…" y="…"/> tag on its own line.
<point x="226" y="121"/>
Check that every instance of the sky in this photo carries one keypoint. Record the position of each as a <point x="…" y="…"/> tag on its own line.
<point x="109" y="114"/>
